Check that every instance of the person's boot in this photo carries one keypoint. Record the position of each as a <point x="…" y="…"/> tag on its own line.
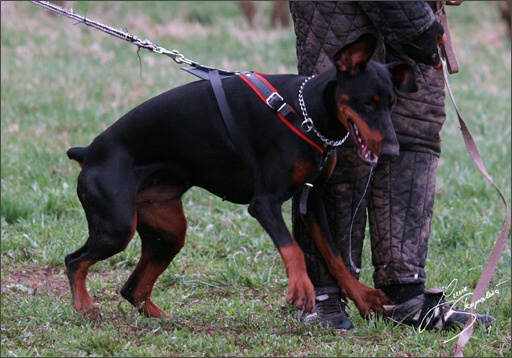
<point x="431" y="311"/>
<point x="330" y="309"/>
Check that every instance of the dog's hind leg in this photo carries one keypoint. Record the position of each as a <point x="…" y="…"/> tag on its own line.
<point x="162" y="226"/>
<point x="111" y="220"/>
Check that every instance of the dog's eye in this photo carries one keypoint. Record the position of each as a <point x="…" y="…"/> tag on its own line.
<point x="344" y="98"/>
<point x="376" y="98"/>
<point x="367" y="104"/>
<point x="392" y="100"/>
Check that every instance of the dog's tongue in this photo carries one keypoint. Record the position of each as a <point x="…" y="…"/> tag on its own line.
<point x="365" y="153"/>
<point x="368" y="155"/>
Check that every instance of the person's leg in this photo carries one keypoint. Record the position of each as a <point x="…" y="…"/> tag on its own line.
<point x="402" y="203"/>
<point x="400" y="213"/>
<point x="345" y="198"/>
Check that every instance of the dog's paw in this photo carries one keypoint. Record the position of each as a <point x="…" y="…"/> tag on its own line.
<point x="377" y="299"/>
<point x="368" y="300"/>
<point x="301" y="294"/>
<point x="91" y="313"/>
<point x="150" y="309"/>
<point x="373" y="301"/>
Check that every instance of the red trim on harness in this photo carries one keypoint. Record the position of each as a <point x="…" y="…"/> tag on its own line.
<point x="281" y="117"/>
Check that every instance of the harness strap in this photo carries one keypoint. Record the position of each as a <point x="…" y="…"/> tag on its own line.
<point x="287" y="115"/>
<point x="203" y="72"/>
<point x="303" y="203"/>
<point x="225" y="110"/>
<point x="275" y="101"/>
<point x="263" y="89"/>
<point x="215" y="76"/>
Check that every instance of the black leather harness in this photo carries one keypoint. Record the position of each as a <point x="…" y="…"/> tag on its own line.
<point x="275" y="102"/>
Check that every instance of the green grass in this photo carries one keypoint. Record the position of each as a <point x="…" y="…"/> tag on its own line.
<point x="63" y="83"/>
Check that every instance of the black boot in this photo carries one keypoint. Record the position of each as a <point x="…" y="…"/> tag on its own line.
<point x="431" y="311"/>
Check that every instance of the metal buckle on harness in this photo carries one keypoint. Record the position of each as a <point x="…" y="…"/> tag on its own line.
<point x="273" y="96"/>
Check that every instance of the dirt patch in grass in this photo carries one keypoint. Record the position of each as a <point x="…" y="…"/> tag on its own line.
<point x="48" y="279"/>
<point x="52" y="280"/>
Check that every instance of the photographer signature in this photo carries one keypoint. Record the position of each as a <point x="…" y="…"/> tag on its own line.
<point x="461" y="298"/>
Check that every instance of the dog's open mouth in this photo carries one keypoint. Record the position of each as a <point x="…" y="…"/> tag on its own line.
<point x="366" y="155"/>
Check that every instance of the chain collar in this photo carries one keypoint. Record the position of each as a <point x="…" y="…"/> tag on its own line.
<point x="308" y="124"/>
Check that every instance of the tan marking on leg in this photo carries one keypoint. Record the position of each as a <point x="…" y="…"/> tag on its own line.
<point x="301" y="292"/>
<point x="367" y="299"/>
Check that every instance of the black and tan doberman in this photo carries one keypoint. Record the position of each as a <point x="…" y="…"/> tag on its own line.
<point x="134" y="174"/>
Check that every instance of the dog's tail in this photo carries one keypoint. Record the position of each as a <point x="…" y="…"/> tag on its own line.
<point x="77" y="154"/>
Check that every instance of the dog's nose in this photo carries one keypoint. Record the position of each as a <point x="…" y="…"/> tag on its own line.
<point x="389" y="152"/>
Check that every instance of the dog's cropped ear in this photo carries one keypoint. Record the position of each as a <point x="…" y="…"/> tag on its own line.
<point x="403" y="77"/>
<point x="352" y="58"/>
<point x="77" y="154"/>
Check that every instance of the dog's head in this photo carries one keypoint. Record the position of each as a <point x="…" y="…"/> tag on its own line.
<point x="365" y="96"/>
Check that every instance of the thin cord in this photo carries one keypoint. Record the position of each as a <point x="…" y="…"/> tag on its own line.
<point x="354" y="267"/>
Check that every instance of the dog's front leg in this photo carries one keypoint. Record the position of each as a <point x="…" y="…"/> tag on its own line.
<point x="268" y="212"/>
<point x="366" y="299"/>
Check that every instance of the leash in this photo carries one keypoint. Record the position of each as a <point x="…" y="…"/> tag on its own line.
<point x="134" y="40"/>
<point x="499" y="246"/>
<point x="196" y="69"/>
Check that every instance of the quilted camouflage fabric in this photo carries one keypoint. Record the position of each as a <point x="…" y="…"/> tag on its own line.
<point x="322" y="28"/>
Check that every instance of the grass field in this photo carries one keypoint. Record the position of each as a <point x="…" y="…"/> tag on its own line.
<point x="63" y="83"/>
